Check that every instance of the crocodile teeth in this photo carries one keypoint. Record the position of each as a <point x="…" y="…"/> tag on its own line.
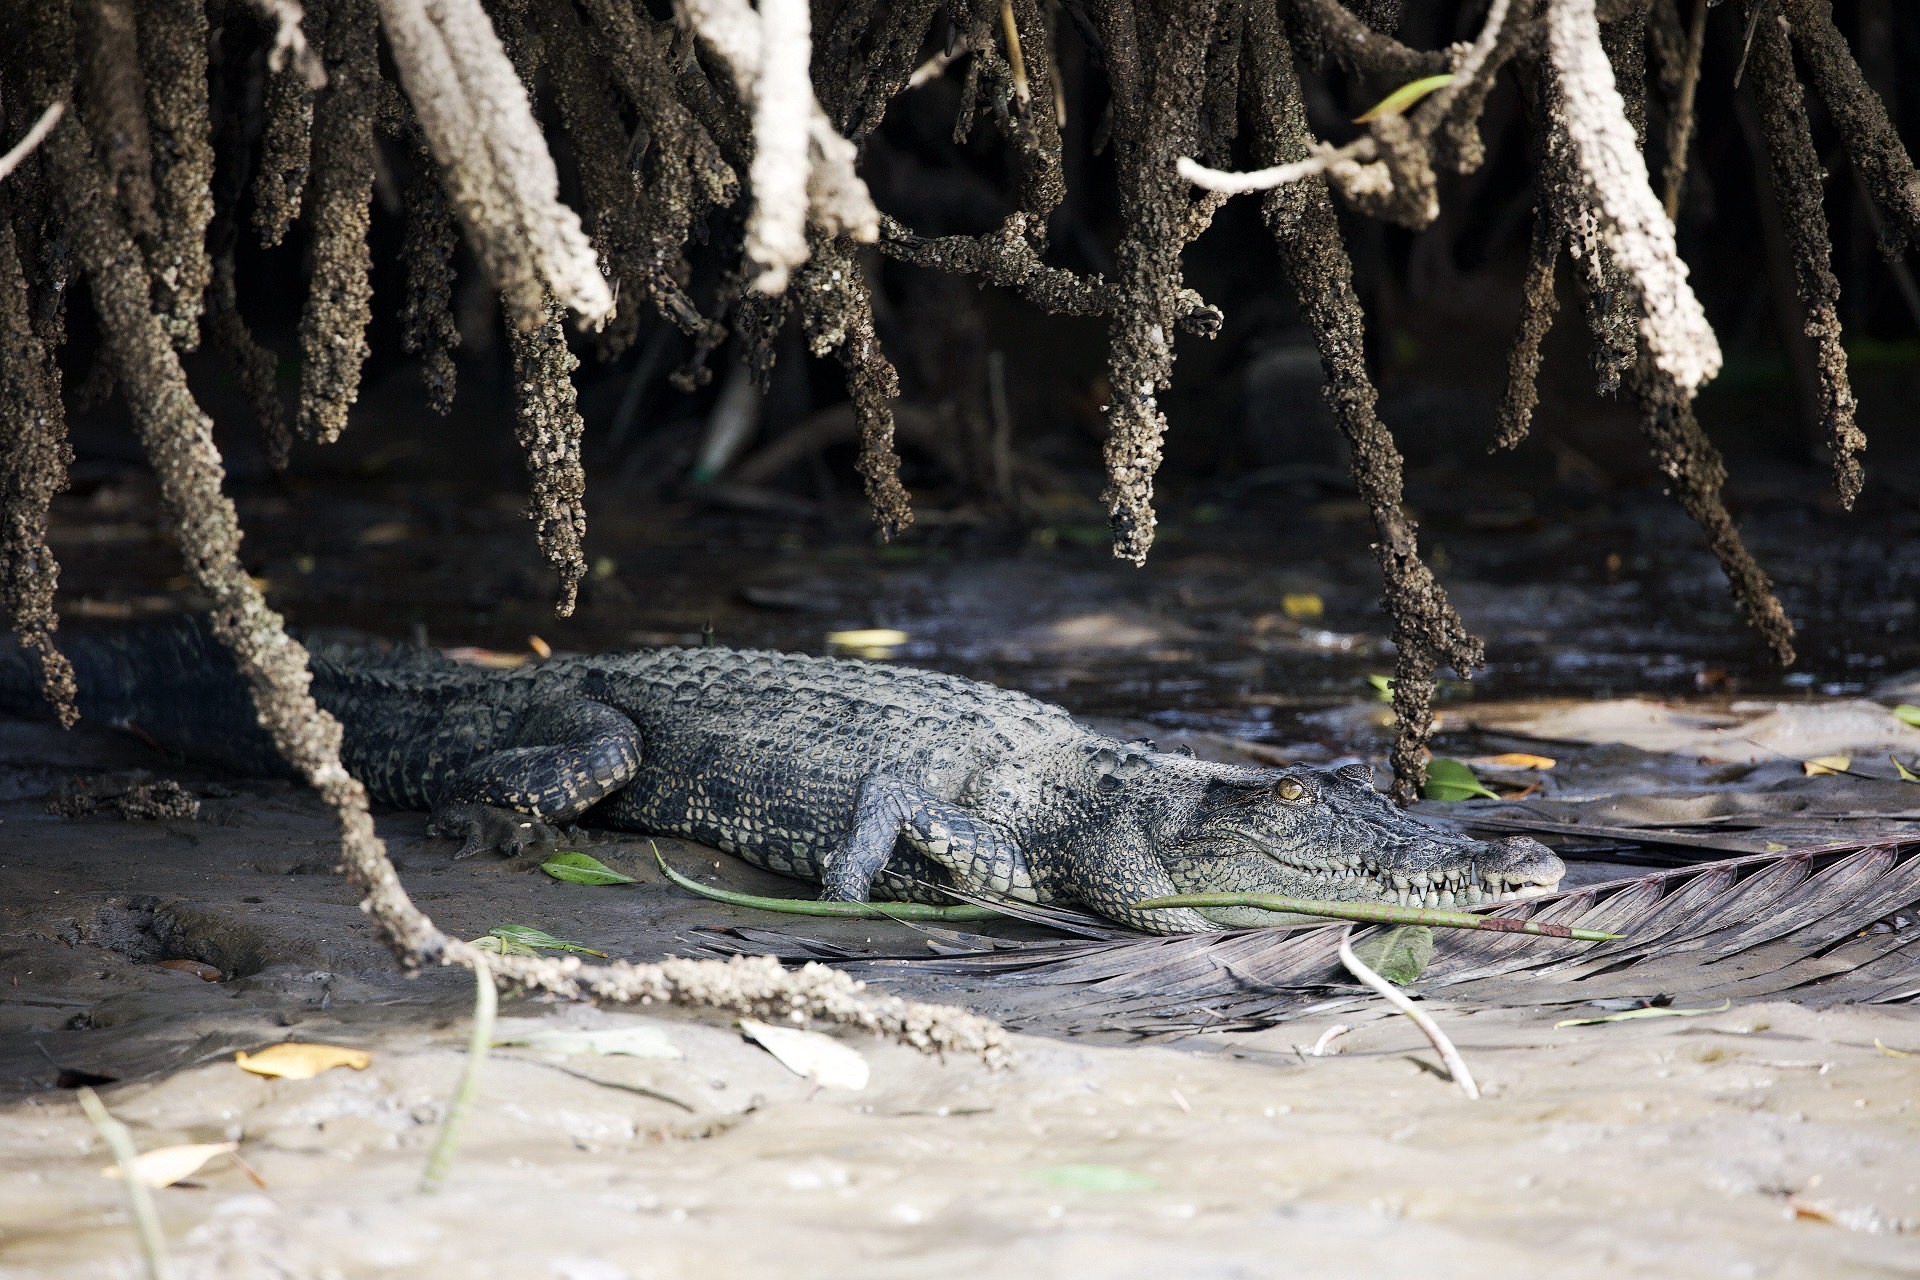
<point x="1400" y="882"/>
<point x="1446" y="898"/>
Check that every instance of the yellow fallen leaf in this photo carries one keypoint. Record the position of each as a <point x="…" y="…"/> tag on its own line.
<point x="1513" y="760"/>
<point x="867" y="637"/>
<point x="1821" y="765"/>
<point x="1302" y="605"/>
<point x="164" y="1166"/>
<point x="867" y="642"/>
<point x="296" y="1061"/>
<point x="1892" y="1052"/>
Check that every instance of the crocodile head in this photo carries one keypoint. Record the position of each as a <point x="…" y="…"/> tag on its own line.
<point x="1328" y="834"/>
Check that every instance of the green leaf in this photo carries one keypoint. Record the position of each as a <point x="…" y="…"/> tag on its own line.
<point x="1449" y="779"/>
<point x="521" y="935"/>
<point x="1094" y="1177"/>
<point x="1906" y="774"/>
<point x="1382" y="688"/>
<point x="1398" y="955"/>
<point x="1634" y="1015"/>
<point x="581" y="868"/>
<point x="1907" y="713"/>
<point x="1403" y="97"/>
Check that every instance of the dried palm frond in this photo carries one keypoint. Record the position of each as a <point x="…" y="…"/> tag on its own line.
<point x="1801" y="923"/>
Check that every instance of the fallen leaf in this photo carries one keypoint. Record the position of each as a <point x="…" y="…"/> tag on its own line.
<point x="293" y="1060"/>
<point x="1892" y="1052"/>
<point x="1821" y="766"/>
<point x="1399" y="955"/>
<point x="164" y="1166"/>
<point x="1302" y="605"/>
<point x="818" y="1057"/>
<point x="540" y="939"/>
<point x="631" y="1042"/>
<point x="1906" y="774"/>
<point x="1094" y="1177"/>
<point x="1403" y="97"/>
<point x="867" y="642"/>
<point x="200" y="970"/>
<point x="1907" y="713"/>
<point x="1449" y="779"/>
<point x="1863" y="1218"/>
<point x="1634" y="1015"/>
<point x="581" y="868"/>
<point x="1513" y="760"/>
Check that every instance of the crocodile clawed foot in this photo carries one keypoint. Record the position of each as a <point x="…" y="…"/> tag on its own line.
<point x="483" y="827"/>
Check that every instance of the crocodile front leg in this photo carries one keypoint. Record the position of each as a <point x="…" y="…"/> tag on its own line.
<point x="566" y="757"/>
<point x="976" y="853"/>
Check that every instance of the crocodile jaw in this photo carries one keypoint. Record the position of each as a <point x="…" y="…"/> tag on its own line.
<point x="1328" y="835"/>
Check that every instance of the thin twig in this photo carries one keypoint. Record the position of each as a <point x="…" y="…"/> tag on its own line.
<point x="1455" y="1064"/>
<point x="1324" y="157"/>
<point x="1680" y="126"/>
<point x="486" y="1001"/>
<point x="35" y="136"/>
<point x="139" y="1194"/>
<point x="1015" y="58"/>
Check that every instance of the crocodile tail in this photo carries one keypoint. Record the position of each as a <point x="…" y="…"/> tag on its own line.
<point x="170" y="682"/>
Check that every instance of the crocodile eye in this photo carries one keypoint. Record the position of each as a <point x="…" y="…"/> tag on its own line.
<point x="1289" y="790"/>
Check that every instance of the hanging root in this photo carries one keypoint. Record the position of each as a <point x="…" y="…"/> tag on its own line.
<point x="1538" y="303"/>
<point x="173" y="48"/>
<point x="427" y="328"/>
<point x="1152" y="129"/>
<point x="1869" y="136"/>
<point x="547" y="424"/>
<point x="286" y="155"/>
<point x="333" y="328"/>
<point x="838" y="314"/>
<point x="1427" y="632"/>
<point x="33" y="467"/>
<point x="1795" y="167"/>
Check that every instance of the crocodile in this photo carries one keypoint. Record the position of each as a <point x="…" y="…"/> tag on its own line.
<point x="872" y="780"/>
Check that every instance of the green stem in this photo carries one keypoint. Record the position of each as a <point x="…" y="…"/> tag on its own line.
<point x="486" y="1001"/>
<point x="139" y="1194"/>
<point x="1377" y="913"/>
<point x="815" y="907"/>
